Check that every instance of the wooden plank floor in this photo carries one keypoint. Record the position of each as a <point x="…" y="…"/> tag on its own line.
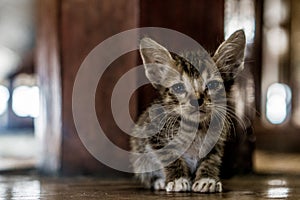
<point x="33" y="188"/>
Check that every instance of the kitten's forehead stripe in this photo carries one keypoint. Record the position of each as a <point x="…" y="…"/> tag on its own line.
<point x="195" y="64"/>
<point x="196" y="85"/>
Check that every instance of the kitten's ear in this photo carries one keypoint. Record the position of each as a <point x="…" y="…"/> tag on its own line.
<point x="229" y="57"/>
<point x="158" y="63"/>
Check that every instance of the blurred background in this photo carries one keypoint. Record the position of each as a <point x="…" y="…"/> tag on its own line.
<point x="43" y="43"/>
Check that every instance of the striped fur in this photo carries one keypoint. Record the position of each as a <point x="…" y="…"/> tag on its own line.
<point x="169" y="135"/>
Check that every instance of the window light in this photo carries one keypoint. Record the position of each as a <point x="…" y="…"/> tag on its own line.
<point x="278" y="103"/>
<point x="25" y="101"/>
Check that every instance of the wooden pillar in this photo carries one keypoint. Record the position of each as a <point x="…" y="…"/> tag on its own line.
<point x="48" y="61"/>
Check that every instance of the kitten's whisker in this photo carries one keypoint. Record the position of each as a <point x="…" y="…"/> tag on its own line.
<point x="175" y="119"/>
<point x="231" y="115"/>
<point x="165" y="119"/>
<point x="226" y="120"/>
<point x="173" y="125"/>
<point x="169" y="125"/>
<point x="231" y="110"/>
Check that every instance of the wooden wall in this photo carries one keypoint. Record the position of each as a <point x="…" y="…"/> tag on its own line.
<point x="85" y="24"/>
<point x="68" y="31"/>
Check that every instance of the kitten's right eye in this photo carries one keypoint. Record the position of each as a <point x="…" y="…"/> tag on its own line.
<point x="178" y="88"/>
<point x="212" y="85"/>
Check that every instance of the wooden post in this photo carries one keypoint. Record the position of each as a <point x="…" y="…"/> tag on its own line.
<point x="49" y="124"/>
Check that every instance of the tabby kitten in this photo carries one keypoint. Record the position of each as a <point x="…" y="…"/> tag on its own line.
<point x="170" y="136"/>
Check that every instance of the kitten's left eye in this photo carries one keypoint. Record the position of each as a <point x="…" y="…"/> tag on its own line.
<point x="212" y="85"/>
<point x="178" y="88"/>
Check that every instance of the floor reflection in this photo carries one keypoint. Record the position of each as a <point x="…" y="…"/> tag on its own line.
<point x="276" y="193"/>
<point x="277" y="182"/>
<point x="20" y="190"/>
<point x="81" y="188"/>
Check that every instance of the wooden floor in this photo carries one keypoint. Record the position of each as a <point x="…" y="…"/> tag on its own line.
<point x="249" y="187"/>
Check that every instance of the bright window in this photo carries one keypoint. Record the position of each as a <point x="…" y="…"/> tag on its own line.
<point x="25" y="101"/>
<point x="278" y="103"/>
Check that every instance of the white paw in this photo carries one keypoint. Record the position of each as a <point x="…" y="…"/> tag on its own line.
<point x="179" y="185"/>
<point x="206" y="185"/>
<point x="159" y="184"/>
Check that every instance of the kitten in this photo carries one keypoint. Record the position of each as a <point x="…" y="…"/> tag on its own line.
<point x="170" y="136"/>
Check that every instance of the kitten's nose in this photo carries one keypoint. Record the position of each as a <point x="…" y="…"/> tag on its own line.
<point x="196" y="102"/>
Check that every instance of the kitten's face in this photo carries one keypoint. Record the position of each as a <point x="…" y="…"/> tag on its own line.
<point x="193" y="91"/>
<point x="193" y="96"/>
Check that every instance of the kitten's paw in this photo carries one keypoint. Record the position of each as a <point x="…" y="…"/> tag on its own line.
<point x="159" y="184"/>
<point x="179" y="185"/>
<point x="207" y="185"/>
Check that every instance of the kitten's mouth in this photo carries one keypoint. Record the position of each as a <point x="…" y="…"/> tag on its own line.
<point x="201" y="112"/>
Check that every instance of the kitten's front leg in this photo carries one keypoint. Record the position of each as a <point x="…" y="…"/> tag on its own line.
<point x="207" y="175"/>
<point x="207" y="185"/>
<point x="177" y="177"/>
